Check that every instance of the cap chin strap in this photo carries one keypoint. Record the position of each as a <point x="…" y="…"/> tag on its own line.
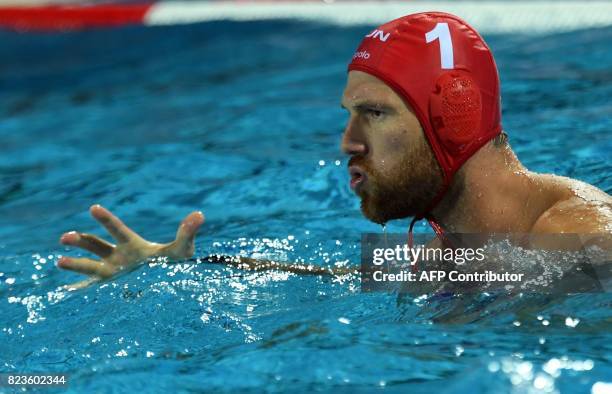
<point x="440" y="233"/>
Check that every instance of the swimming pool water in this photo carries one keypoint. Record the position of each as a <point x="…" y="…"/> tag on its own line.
<point x="242" y="121"/>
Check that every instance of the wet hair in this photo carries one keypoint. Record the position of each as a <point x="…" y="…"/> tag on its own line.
<point x="501" y="140"/>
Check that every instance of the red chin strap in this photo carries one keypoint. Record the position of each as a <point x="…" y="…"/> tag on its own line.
<point x="440" y="233"/>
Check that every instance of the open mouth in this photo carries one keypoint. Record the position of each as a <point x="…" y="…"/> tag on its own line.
<point x="358" y="177"/>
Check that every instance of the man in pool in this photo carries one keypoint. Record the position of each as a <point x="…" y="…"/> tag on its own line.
<point x="425" y="140"/>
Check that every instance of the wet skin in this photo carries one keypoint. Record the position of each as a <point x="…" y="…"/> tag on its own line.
<point x="394" y="172"/>
<point x="492" y="192"/>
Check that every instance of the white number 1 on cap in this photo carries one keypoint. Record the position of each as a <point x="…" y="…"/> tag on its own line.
<point x="446" y="44"/>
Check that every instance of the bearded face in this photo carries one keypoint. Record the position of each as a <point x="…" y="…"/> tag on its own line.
<point x="393" y="169"/>
<point x="400" y="190"/>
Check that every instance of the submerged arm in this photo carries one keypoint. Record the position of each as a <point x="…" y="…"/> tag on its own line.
<point x="132" y="250"/>
<point x="251" y="264"/>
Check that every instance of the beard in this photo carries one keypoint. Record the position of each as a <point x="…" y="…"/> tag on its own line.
<point x="405" y="190"/>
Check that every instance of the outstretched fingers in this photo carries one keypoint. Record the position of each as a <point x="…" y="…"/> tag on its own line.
<point x="185" y="236"/>
<point x="86" y="266"/>
<point x="88" y="242"/>
<point x="113" y="224"/>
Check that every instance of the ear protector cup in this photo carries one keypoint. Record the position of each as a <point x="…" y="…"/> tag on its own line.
<point x="455" y="110"/>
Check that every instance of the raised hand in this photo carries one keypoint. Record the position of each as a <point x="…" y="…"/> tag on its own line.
<point x="130" y="250"/>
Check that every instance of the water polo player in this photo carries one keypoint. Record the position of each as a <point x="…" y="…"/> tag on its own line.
<point x="425" y="140"/>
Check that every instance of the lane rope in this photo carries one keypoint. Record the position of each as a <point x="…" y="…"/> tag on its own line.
<point x="487" y="16"/>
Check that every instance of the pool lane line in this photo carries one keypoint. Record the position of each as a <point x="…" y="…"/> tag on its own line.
<point x="493" y="16"/>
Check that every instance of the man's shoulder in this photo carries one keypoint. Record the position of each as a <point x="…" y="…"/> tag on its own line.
<point x="577" y="214"/>
<point x="591" y="220"/>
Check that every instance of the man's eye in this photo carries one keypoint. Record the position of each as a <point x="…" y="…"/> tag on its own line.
<point x="375" y="114"/>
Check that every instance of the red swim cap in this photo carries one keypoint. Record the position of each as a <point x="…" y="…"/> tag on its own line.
<point x="444" y="70"/>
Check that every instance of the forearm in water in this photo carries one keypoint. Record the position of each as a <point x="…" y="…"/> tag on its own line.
<point x="251" y="264"/>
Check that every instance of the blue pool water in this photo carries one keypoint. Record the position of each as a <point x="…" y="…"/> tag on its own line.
<point x="242" y="121"/>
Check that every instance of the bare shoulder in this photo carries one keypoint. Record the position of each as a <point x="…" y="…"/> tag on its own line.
<point x="581" y="208"/>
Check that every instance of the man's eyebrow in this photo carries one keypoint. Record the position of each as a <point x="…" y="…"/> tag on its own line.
<point x="368" y="105"/>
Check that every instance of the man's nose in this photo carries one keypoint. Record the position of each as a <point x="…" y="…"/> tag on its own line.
<point x="353" y="141"/>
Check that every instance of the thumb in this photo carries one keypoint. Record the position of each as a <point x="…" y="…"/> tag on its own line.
<point x="187" y="231"/>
